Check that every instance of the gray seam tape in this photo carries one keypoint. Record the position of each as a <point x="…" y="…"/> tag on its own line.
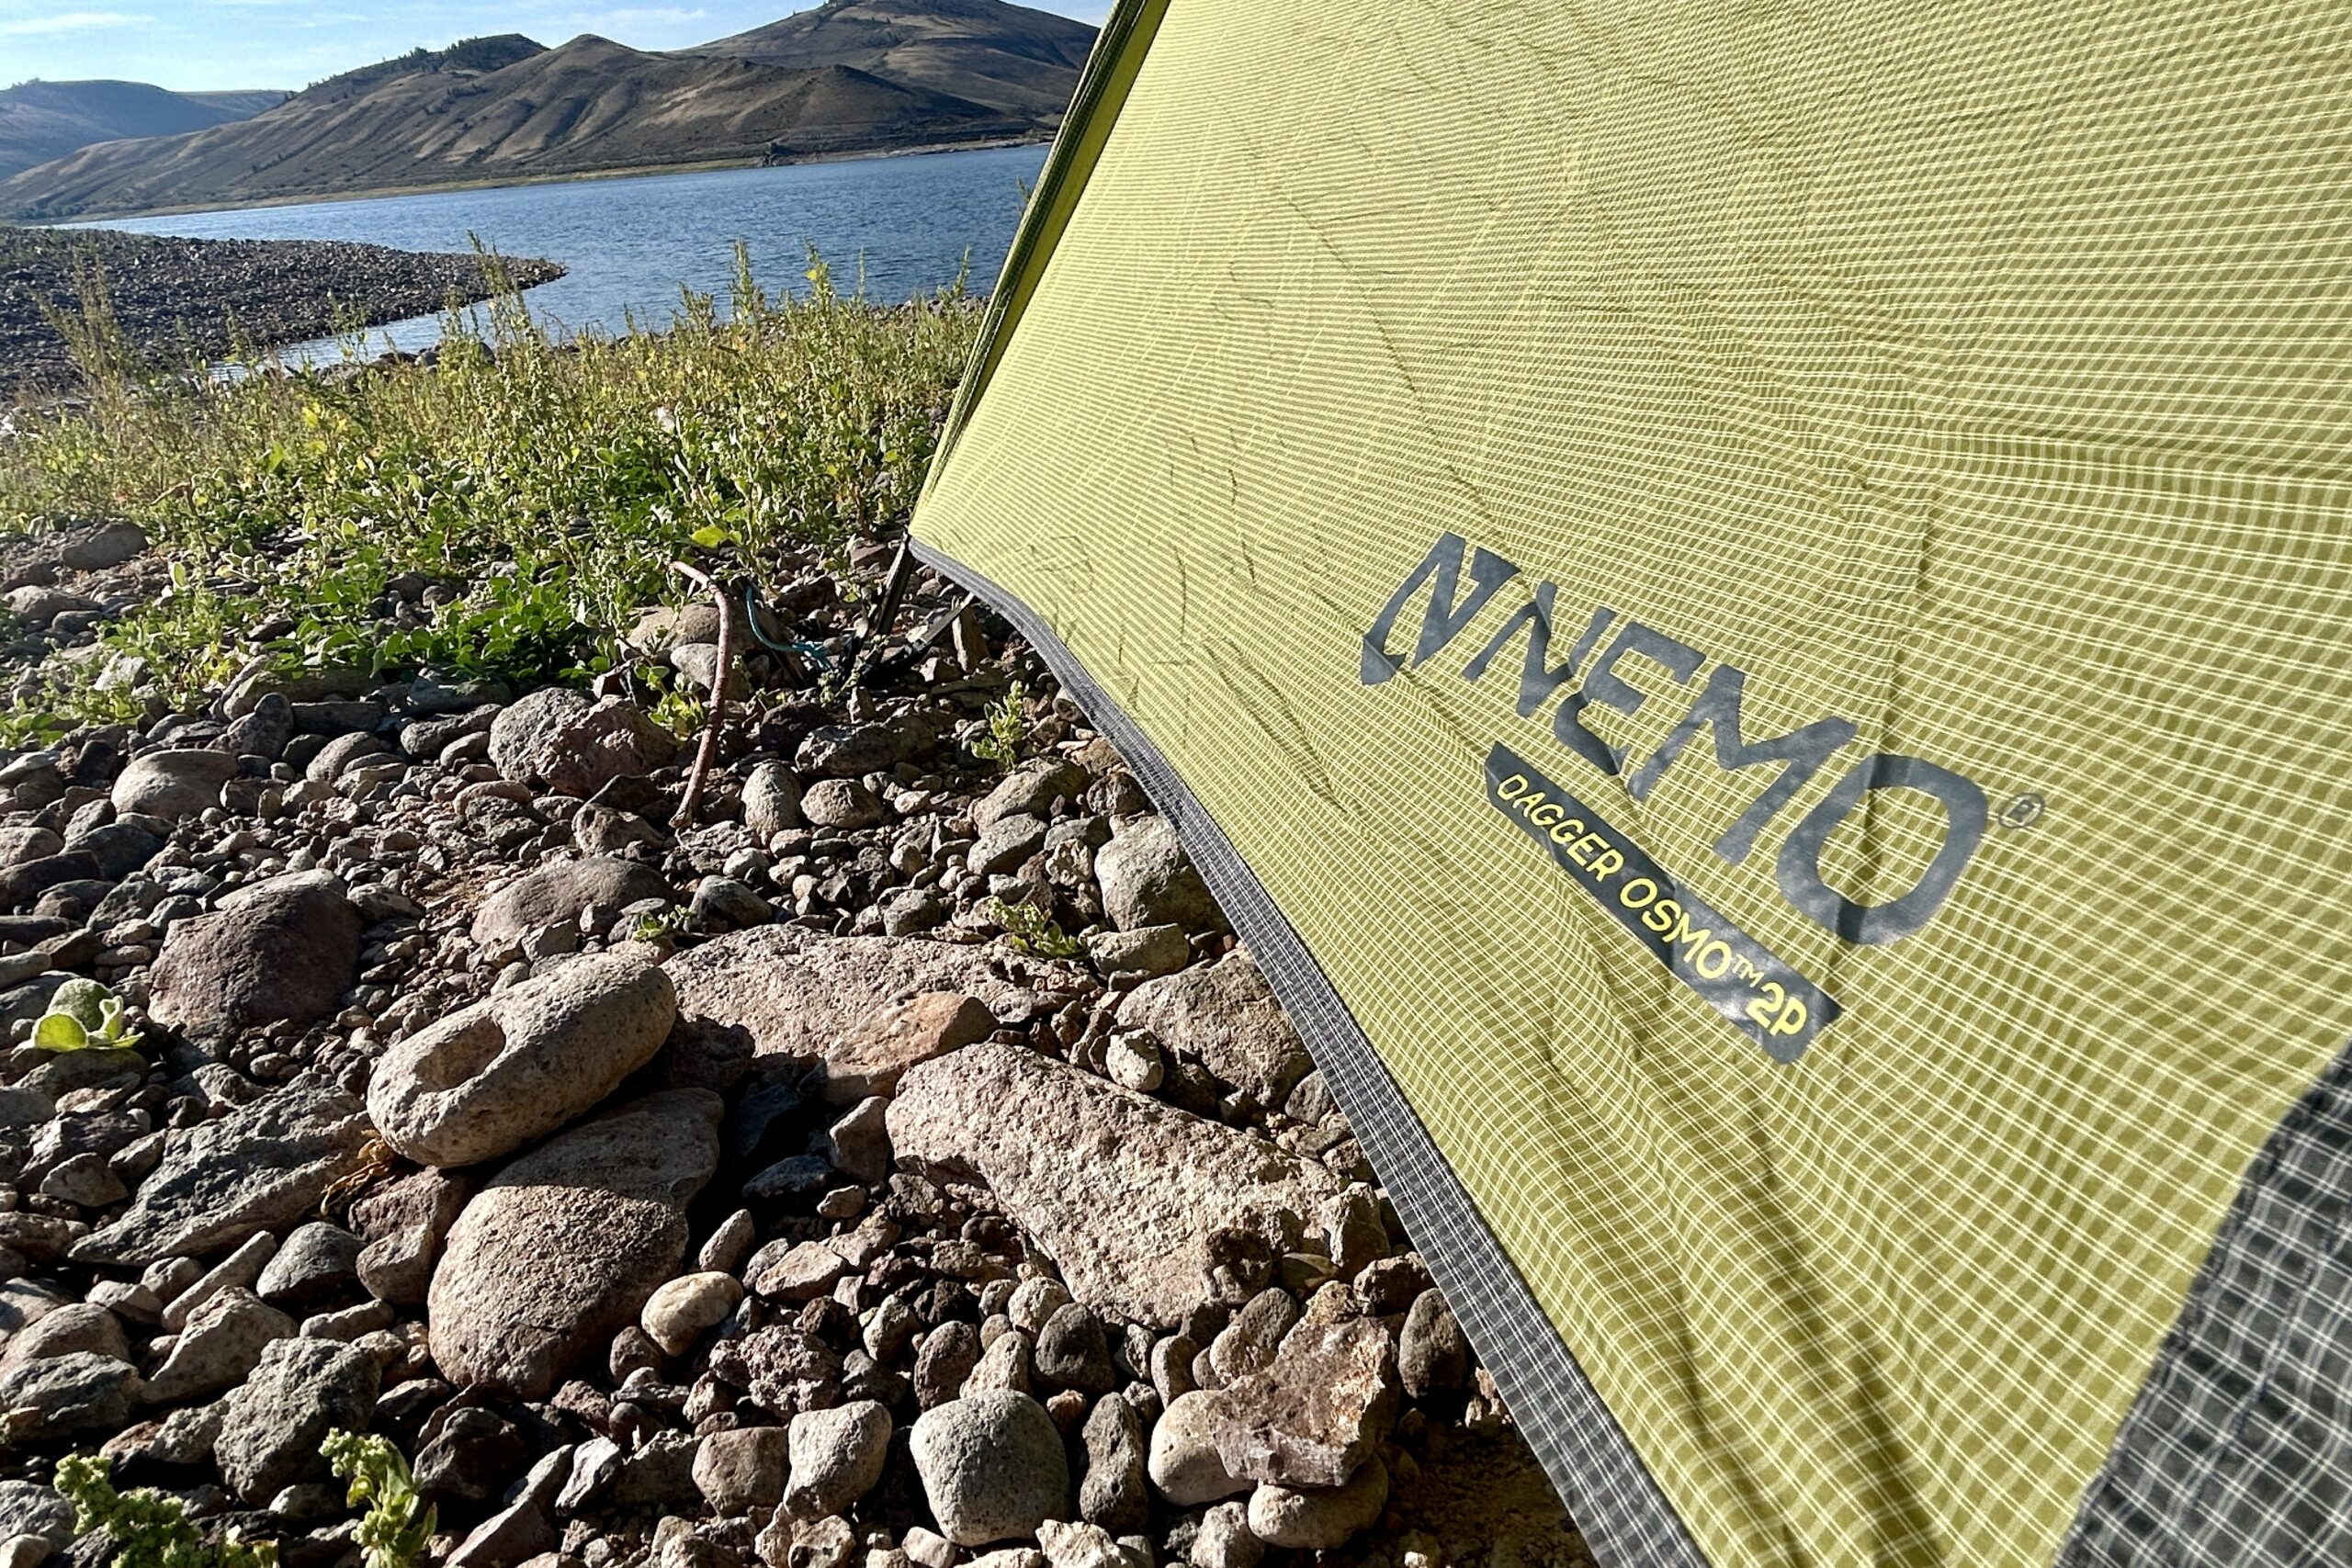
<point x="1624" y="1517"/>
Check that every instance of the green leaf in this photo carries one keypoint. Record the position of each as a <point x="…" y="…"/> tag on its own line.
<point x="60" y="1031"/>
<point x="709" y="536"/>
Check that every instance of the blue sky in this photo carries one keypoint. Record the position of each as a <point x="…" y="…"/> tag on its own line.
<point x="200" y="45"/>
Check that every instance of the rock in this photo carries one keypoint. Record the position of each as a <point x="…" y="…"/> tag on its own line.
<point x="343" y="753"/>
<point x="992" y="1467"/>
<point x="852" y="751"/>
<point x="684" y="1308"/>
<point x="1147" y="879"/>
<point x="818" y="1002"/>
<point x="260" y="1167"/>
<point x="1185" y="1462"/>
<point x="72" y="1328"/>
<point x="239" y="1270"/>
<point x="78" y="1391"/>
<point x="743" y="1469"/>
<point x="564" y="1246"/>
<point x="660" y="1472"/>
<point x="284" y="951"/>
<point x="771" y="801"/>
<point x="1390" y="1285"/>
<point x="1033" y="1303"/>
<point x="723" y="904"/>
<point x="514" y="1067"/>
<point x="788" y="1271"/>
<point x="576" y="747"/>
<point x="28" y="1508"/>
<point x="223" y="1342"/>
<point x="1148" y="951"/>
<point x="1319" y="1520"/>
<point x="109" y="546"/>
<point x="264" y="733"/>
<point x="471" y="1453"/>
<point x="173" y="784"/>
<point x="1432" y="1354"/>
<point x="1072" y="1353"/>
<point x="1134" y="1061"/>
<point x="837" y="1456"/>
<point x="594" y="1465"/>
<point x="601" y="830"/>
<point x="272" y="1425"/>
<point x="1225" y="1540"/>
<point x="859" y="1144"/>
<point x="555" y="895"/>
<point x="1030" y="789"/>
<point x="1250" y="1342"/>
<point x="318" y="1264"/>
<point x="845" y="805"/>
<point x="1005" y="845"/>
<point x="945" y="1361"/>
<point x="660" y="630"/>
<point x="698" y="662"/>
<point x="1004" y="1365"/>
<point x="511" y="1536"/>
<point x="1354" y="1234"/>
<point x="1122" y="1191"/>
<point x="118" y="848"/>
<point x="404" y="1222"/>
<point x="27" y="842"/>
<point x="1113" y="1494"/>
<point x="1068" y="1545"/>
<point x="1223" y="1015"/>
<point x="1316" y="1414"/>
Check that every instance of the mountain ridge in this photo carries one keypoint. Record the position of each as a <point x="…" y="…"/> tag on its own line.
<point x="849" y="77"/>
<point x="41" y="120"/>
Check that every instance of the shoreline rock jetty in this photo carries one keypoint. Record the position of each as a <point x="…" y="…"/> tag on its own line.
<point x="901" y="1164"/>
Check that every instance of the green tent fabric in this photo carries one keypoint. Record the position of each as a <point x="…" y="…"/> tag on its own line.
<point x="1747" y="607"/>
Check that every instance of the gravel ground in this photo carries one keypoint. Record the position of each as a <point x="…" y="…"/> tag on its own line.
<point x="171" y="293"/>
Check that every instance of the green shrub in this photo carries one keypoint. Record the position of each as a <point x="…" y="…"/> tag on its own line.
<point x="547" y="480"/>
<point x="148" y="1529"/>
<point x="1008" y="726"/>
<point x="398" y="1524"/>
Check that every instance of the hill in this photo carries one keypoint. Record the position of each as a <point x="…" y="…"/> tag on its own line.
<point x="1008" y="57"/>
<point x="504" y="109"/>
<point x="41" y="120"/>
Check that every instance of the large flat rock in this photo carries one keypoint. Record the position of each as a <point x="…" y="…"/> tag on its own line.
<point x="1121" y="1190"/>
<point x="788" y="991"/>
<point x="262" y="1167"/>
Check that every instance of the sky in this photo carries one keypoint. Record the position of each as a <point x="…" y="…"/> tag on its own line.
<point x="211" y="45"/>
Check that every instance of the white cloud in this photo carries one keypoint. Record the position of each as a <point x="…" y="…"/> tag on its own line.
<point x="71" y="22"/>
<point x="636" y="16"/>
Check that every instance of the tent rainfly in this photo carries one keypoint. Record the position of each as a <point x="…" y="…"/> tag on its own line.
<point x="1750" y="609"/>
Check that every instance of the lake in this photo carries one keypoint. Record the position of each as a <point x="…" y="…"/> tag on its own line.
<point x="632" y="243"/>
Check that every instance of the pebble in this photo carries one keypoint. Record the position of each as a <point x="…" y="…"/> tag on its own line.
<point x="1184" y="1462"/>
<point x="837" y="1456"/>
<point x="680" y="1311"/>
<point x="735" y="1472"/>
<point x="1283" y="1516"/>
<point x="992" y="1467"/>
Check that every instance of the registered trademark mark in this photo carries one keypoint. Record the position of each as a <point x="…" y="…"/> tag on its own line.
<point x="2021" y="811"/>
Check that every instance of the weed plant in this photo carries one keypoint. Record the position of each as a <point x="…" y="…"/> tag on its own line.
<point x="544" y="478"/>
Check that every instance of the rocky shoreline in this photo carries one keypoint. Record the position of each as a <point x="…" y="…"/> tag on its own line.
<point x="782" y="1187"/>
<point x="172" y="296"/>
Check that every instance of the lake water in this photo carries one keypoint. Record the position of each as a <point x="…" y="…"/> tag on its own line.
<point x="632" y="243"/>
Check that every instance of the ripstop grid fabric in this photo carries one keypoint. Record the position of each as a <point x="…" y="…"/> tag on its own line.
<point x="1975" y="373"/>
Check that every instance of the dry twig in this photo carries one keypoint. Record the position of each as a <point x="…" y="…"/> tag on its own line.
<point x="721" y="678"/>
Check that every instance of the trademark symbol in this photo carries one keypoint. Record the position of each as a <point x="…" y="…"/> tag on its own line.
<point x="2022" y="811"/>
